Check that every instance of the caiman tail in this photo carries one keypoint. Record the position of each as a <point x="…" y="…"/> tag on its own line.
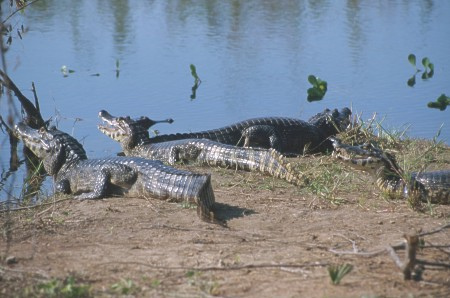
<point x="205" y="210"/>
<point x="250" y="159"/>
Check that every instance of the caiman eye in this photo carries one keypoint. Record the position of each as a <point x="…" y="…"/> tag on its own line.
<point x="42" y="130"/>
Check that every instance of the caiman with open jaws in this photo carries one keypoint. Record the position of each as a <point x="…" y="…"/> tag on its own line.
<point x="288" y="136"/>
<point x="134" y="139"/>
<point x="431" y="187"/>
<point x="65" y="159"/>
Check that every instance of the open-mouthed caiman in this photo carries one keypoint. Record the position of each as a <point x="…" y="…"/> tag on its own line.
<point x="135" y="141"/>
<point x="391" y="179"/>
<point x="289" y="136"/>
<point x="65" y="159"/>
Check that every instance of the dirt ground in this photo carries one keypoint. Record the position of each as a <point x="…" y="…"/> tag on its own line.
<point x="280" y="241"/>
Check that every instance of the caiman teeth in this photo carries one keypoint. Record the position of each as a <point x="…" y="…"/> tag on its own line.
<point x="106" y="129"/>
<point x="106" y="125"/>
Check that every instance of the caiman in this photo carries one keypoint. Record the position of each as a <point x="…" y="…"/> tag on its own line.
<point x="289" y="136"/>
<point x="431" y="187"/>
<point x="65" y="159"/>
<point x="135" y="141"/>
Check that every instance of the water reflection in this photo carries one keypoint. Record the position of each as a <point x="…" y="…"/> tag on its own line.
<point x="356" y="33"/>
<point x="231" y="19"/>
<point x="117" y="13"/>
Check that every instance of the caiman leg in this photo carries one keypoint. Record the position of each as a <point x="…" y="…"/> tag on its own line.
<point x="110" y="175"/>
<point x="262" y="135"/>
<point x="100" y="187"/>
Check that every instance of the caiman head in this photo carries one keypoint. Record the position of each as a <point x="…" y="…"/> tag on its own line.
<point x="128" y="132"/>
<point x="54" y="147"/>
<point x="331" y="122"/>
<point x="391" y="179"/>
<point x="367" y="158"/>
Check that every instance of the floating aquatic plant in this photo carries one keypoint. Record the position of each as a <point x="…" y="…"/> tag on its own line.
<point x="318" y="89"/>
<point x="428" y="72"/>
<point x="441" y="102"/>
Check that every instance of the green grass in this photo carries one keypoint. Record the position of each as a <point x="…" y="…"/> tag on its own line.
<point x="206" y="285"/>
<point x="125" y="287"/>
<point x="67" y="288"/>
<point x="187" y="205"/>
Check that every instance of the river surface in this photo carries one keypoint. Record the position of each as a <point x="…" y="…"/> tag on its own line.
<point x="253" y="57"/>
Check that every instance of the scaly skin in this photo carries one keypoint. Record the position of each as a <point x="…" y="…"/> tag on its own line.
<point x="135" y="141"/>
<point x="65" y="159"/>
<point x="287" y="135"/>
<point x="424" y="186"/>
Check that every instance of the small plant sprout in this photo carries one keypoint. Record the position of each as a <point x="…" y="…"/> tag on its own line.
<point x="318" y="89"/>
<point x="337" y="272"/>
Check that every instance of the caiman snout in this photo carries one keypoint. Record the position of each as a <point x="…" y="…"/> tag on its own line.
<point x="32" y="138"/>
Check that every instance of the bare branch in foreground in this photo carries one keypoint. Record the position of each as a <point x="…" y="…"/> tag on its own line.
<point x="411" y="265"/>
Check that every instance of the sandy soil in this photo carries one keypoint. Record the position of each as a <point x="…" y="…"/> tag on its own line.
<point x="280" y="241"/>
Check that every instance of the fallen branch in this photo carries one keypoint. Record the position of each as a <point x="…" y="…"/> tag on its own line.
<point x="34" y="118"/>
<point x="219" y="268"/>
<point x="423" y="262"/>
<point x="27" y="272"/>
<point x="411" y="245"/>
<point x="446" y="226"/>
<point x="34" y="206"/>
<point x="369" y="253"/>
